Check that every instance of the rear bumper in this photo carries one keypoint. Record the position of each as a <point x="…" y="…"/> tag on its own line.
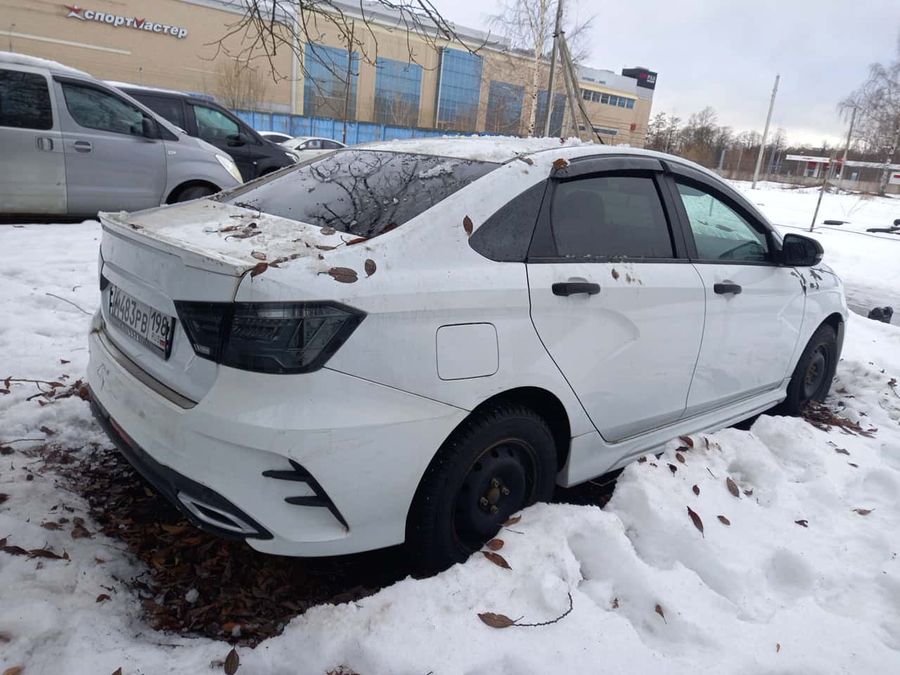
<point x="308" y="465"/>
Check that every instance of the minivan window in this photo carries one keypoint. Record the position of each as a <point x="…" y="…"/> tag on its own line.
<point x="610" y="217"/>
<point x="361" y="192"/>
<point x="167" y="108"/>
<point x="96" y="109"/>
<point x="24" y="101"/>
<point x="212" y="125"/>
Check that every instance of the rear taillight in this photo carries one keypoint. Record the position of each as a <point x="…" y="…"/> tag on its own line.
<point x="268" y="337"/>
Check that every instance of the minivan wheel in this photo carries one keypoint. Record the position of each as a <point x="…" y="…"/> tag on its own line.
<point x="194" y="192"/>
<point x="814" y="372"/>
<point x="499" y="461"/>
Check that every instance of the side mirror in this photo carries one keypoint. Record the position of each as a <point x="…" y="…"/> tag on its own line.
<point x="800" y="251"/>
<point x="237" y="140"/>
<point x="149" y="128"/>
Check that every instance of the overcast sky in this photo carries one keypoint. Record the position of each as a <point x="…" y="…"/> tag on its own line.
<point x="725" y="53"/>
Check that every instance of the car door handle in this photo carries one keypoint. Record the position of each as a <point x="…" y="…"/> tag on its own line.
<point x="727" y="287"/>
<point x="82" y="146"/>
<point x="575" y="287"/>
<point x="44" y="143"/>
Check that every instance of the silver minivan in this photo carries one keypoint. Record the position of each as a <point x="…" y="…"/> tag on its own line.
<point x="71" y="145"/>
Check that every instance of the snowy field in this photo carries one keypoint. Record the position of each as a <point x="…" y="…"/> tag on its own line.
<point x="795" y="569"/>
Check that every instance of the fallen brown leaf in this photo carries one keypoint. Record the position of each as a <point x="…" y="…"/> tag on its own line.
<point x="802" y="523"/>
<point x="696" y="519"/>
<point x="258" y="269"/>
<point x="732" y="488"/>
<point x="102" y="597"/>
<point x="512" y="521"/>
<point x="863" y="512"/>
<point x="679" y="457"/>
<point x="687" y="440"/>
<point x="496" y="620"/>
<point x="495" y="544"/>
<point x="659" y="610"/>
<point x="370" y="267"/>
<point x="696" y="490"/>
<point x="497" y="559"/>
<point x="467" y="225"/>
<point x="232" y="662"/>
<point x="724" y="520"/>
<point x="343" y="274"/>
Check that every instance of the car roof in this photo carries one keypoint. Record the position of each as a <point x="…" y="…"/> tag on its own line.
<point x="15" y="58"/>
<point x="502" y="149"/>
<point x="159" y="90"/>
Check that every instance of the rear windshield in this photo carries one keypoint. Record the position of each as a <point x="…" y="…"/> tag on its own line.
<point x="361" y="192"/>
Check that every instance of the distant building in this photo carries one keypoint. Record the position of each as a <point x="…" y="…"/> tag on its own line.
<point x="175" y="44"/>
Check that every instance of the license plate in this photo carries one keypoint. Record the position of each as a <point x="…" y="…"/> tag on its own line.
<point x="141" y="322"/>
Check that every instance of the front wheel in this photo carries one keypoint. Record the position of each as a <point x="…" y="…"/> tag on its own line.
<point x="498" y="462"/>
<point x="814" y="372"/>
<point x="195" y="192"/>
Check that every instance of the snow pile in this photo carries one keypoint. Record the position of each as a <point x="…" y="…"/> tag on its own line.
<point x="801" y="573"/>
<point x="479" y="148"/>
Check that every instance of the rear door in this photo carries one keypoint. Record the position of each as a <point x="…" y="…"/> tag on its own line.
<point x="613" y="298"/>
<point x="110" y="164"/>
<point x="32" y="166"/>
<point x="754" y="307"/>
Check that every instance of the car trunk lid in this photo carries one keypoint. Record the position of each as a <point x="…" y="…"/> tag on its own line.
<point x="198" y="251"/>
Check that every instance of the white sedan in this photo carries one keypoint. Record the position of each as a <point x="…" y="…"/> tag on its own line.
<point x="307" y="147"/>
<point x="411" y="341"/>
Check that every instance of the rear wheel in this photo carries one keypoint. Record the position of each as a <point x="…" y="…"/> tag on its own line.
<point x="814" y="372"/>
<point x="499" y="461"/>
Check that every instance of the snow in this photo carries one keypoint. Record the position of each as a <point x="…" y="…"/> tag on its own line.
<point x="36" y="62"/>
<point x="762" y="594"/>
<point x="479" y="148"/>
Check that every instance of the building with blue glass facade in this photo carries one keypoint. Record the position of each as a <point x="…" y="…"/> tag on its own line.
<point x="388" y="76"/>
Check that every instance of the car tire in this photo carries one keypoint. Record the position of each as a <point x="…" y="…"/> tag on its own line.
<point x="497" y="462"/>
<point x="194" y="192"/>
<point x="814" y="372"/>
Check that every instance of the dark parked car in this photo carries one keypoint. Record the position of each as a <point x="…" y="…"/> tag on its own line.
<point x="204" y="118"/>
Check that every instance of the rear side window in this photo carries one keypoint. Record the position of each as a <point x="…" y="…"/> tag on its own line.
<point x="506" y="235"/>
<point x="167" y="108"/>
<point x="361" y="192"/>
<point x="24" y="101"/>
<point x="96" y="109"/>
<point x="610" y="217"/>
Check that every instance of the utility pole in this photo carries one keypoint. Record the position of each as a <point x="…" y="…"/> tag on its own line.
<point x="822" y="190"/>
<point x="556" y="32"/>
<point x="762" y="145"/>
<point x="840" y="177"/>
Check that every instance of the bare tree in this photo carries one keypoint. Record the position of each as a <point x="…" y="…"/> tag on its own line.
<point x="239" y="85"/>
<point x="877" y="103"/>
<point x="266" y="27"/>
<point x="529" y="25"/>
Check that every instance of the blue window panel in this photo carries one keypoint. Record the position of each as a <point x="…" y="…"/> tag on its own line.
<point x="504" y="109"/>
<point x="397" y="90"/>
<point x="629" y="103"/>
<point x="460" y="89"/>
<point x="556" y="115"/>
<point x="621" y="102"/>
<point x="325" y="86"/>
<point x="245" y="116"/>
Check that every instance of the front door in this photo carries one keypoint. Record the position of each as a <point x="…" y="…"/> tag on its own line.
<point x="617" y="307"/>
<point x="110" y="164"/>
<point x="754" y="308"/>
<point x="216" y="128"/>
<point x="32" y="169"/>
